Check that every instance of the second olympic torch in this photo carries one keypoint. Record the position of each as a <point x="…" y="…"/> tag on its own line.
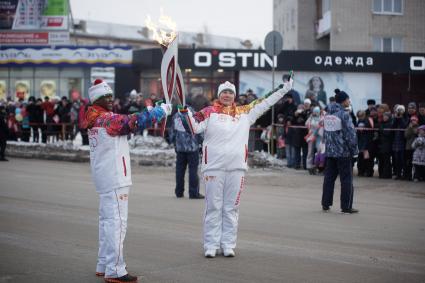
<point x="171" y="75"/>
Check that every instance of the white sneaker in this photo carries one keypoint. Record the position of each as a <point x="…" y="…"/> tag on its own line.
<point x="210" y="253"/>
<point x="228" y="252"/>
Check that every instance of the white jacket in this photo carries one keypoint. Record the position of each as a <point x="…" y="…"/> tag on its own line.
<point x="226" y="128"/>
<point x="109" y="160"/>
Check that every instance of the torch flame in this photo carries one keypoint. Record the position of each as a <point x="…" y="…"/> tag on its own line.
<point x="162" y="36"/>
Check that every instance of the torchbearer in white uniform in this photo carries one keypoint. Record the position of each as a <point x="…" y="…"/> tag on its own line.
<point x="111" y="172"/>
<point x="224" y="161"/>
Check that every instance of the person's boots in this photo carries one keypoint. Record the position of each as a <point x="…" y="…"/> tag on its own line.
<point x="126" y="278"/>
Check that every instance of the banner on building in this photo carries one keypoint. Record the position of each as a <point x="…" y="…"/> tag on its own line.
<point x="65" y="56"/>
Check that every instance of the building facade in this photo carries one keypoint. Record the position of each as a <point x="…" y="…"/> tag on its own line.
<point x="345" y="25"/>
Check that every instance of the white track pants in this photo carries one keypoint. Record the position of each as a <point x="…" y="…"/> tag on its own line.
<point x="113" y="211"/>
<point x="222" y="197"/>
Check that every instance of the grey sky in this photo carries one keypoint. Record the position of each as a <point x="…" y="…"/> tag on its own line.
<point x="245" y="19"/>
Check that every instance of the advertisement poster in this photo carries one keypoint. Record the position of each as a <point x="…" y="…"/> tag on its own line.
<point x="47" y="88"/>
<point x="359" y="86"/>
<point x="3" y="90"/>
<point x="34" y="15"/>
<point x="22" y="89"/>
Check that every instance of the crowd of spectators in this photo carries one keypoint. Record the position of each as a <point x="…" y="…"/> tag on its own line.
<point x="392" y="138"/>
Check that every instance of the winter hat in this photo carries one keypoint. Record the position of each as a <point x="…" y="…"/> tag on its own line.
<point x="307" y="101"/>
<point x="316" y="109"/>
<point x="411" y="105"/>
<point x="340" y="96"/>
<point x="226" y="86"/>
<point x="98" y="90"/>
<point x="400" y="108"/>
<point x="371" y="102"/>
<point x="421" y="128"/>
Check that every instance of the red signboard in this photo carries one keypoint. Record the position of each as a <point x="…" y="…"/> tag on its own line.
<point x="24" y="38"/>
<point x="33" y="38"/>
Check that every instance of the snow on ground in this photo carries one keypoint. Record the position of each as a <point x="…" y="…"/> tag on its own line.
<point x="144" y="150"/>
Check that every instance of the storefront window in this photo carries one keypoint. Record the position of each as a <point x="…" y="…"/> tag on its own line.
<point x="46" y="87"/>
<point x="3" y="89"/>
<point x="197" y="83"/>
<point x="21" y="88"/>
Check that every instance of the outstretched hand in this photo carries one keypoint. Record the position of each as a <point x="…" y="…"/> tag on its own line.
<point x="167" y="107"/>
<point x="287" y="86"/>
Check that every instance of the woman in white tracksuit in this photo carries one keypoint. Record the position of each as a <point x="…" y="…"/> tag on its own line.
<point x="111" y="172"/>
<point x="224" y="162"/>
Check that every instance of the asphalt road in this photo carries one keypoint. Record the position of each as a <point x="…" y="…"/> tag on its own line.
<point x="48" y="229"/>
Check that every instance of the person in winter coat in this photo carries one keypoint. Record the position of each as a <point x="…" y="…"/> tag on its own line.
<point x="299" y="144"/>
<point x="364" y="138"/>
<point x="410" y="135"/>
<point x="400" y="122"/>
<point x="64" y="112"/>
<point x="419" y="155"/>
<point x="187" y="155"/>
<point x="373" y="144"/>
<point x="341" y="146"/>
<point x="421" y="114"/>
<point x="314" y="125"/>
<point x="4" y="131"/>
<point x="288" y="135"/>
<point x="35" y="115"/>
<point x="224" y="162"/>
<point x="385" y="141"/>
<point x="111" y="172"/>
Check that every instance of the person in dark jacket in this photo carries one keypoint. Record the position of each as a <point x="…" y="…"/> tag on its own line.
<point x="187" y="151"/>
<point x="35" y="115"/>
<point x="341" y="146"/>
<point x="288" y="135"/>
<point x="421" y="114"/>
<point x="4" y="131"/>
<point x="298" y="142"/>
<point x="400" y="123"/>
<point x="373" y="144"/>
<point x="64" y="112"/>
<point x="371" y="103"/>
<point x="364" y="137"/>
<point x="385" y="141"/>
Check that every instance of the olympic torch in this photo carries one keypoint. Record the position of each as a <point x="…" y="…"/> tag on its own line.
<point x="171" y="75"/>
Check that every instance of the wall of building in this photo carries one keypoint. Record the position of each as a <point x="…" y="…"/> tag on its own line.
<point x="285" y="21"/>
<point x="354" y="24"/>
<point x="410" y="26"/>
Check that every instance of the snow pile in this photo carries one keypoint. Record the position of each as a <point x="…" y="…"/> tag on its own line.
<point x="264" y="159"/>
<point x="144" y="150"/>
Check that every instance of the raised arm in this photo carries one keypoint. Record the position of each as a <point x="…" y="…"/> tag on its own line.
<point x="260" y="106"/>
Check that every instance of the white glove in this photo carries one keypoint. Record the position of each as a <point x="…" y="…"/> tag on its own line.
<point x="287" y="86"/>
<point x="167" y="107"/>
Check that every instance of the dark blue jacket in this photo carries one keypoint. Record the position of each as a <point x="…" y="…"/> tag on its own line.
<point x="340" y="134"/>
<point x="182" y="140"/>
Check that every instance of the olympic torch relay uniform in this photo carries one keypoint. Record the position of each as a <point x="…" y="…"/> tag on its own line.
<point x="224" y="162"/>
<point x="111" y="172"/>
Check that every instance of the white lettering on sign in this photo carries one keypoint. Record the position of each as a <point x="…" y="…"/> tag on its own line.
<point x="202" y="59"/>
<point x="417" y="63"/>
<point x="231" y="59"/>
<point x="348" y="61"/>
